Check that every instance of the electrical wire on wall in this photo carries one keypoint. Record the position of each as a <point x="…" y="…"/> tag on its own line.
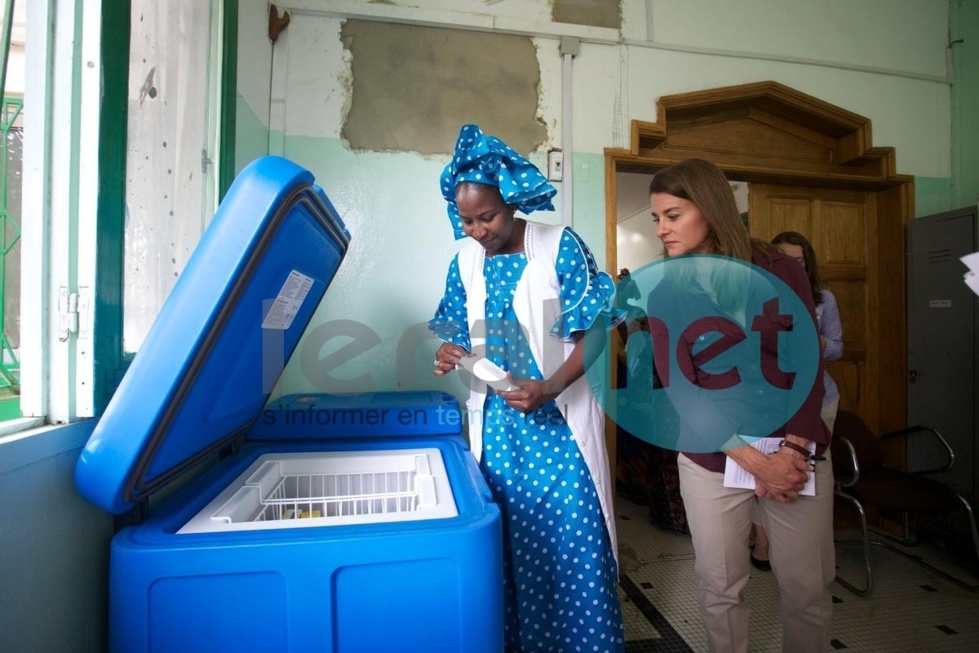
<point x="570" y="46"/>
<point x="277" y="23"/>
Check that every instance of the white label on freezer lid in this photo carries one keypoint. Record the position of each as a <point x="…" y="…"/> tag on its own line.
<point x="288" y="301"/>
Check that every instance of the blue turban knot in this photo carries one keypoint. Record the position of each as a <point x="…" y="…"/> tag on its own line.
<point x="488" y="160"/>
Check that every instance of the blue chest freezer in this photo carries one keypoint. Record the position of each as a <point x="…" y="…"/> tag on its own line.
<point x="330" y="523"/>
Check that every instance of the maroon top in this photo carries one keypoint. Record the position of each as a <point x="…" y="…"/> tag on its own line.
<point x="806" y="422"/>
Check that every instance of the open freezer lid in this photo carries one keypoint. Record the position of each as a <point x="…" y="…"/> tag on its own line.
<point x="223" y="336"/>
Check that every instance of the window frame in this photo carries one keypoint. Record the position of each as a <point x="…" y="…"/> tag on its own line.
<point x="77" y="86"/>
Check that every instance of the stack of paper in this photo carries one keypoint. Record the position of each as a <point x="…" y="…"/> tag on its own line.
<point x="737" y="477"/>
<point x="972" y="276"/>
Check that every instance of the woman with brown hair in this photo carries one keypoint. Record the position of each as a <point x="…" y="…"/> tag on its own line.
<point x="716" y="267"/>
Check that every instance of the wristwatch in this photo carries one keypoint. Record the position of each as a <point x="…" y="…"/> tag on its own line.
<point x="795" y="447"/>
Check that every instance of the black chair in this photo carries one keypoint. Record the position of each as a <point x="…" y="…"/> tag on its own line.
<point x="863" y="479"/>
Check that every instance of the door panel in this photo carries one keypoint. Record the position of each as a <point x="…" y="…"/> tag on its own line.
<point x="846" y="373"/>
<point x="851" y="297"/>
<point x="784" y="214"/>
<point x="838" y="224"/>
<point x="835" y="242"/>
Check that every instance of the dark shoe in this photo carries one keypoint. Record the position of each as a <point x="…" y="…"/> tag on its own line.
<point x="761" y="565"/>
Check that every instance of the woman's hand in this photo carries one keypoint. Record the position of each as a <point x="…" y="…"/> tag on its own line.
<point x="782" y="476"/>
<point x="528" y="397"/>
<point x="447" y="357"/>
<point x="778" y="477"/>
<point x="532" y="394"/>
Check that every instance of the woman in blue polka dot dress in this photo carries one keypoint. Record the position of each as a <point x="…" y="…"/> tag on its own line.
<point x="524" y="295"/>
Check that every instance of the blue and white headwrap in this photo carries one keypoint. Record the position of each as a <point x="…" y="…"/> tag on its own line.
<point x="488" y="160"/>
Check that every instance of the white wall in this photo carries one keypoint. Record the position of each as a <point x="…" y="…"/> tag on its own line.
<point x="253" y="83"/>
<point x="254" y="56"/>
<point x="636" y="242"/>
<point x="883" y="59"/>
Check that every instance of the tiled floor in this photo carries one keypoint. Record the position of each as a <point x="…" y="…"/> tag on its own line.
<point x="910" y="609"/>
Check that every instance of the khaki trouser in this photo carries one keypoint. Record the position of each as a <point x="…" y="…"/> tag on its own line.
<point x="801" y="552"/>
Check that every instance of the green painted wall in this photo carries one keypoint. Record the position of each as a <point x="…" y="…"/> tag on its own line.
<point x="588" y="178"/>
<point x="392" y="278"/>
<point x="939" y="194"/>
<point x="251" y="136"/>
<point x="964" y="25"/>
<point x="932" y="195"/>
<point x="394" y="274"/>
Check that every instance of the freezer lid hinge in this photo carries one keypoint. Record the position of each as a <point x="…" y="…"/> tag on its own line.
<point x="67" y="313"/>
<point x="232" y="448"/>
<point x="132" y="517"/>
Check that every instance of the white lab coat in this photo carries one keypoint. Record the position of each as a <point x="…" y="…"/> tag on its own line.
<point x="537" y="304"/>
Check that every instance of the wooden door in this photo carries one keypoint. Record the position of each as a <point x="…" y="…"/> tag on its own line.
<point x="812" y="167"/>
<point x="840" y="224"/>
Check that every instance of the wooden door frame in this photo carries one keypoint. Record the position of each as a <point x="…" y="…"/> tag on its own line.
<point x="769" y="133"/>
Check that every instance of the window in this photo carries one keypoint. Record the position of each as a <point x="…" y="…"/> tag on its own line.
<point x="171" y="185"/>
<point x="11" y="165"/>
<point x="111" y="214"/>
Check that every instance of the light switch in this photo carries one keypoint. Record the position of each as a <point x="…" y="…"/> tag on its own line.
<point x="555" y="165"/>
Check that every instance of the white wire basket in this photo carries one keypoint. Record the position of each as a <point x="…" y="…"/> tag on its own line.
<point x="304" y="496"/>
<point x="316" y="489"/>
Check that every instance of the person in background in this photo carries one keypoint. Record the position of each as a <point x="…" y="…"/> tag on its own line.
<point x="524" y="295"/>
<point x="830" y="329"/>
<point x="828" y="323"/>
<point x="635" y="317"/>
<point x="695" y="212"/>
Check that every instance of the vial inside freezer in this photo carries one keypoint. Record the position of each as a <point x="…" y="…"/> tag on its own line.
<point x="293" y="490"/>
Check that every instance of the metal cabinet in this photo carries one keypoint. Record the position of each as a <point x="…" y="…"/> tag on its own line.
<point x="943" y="344"/>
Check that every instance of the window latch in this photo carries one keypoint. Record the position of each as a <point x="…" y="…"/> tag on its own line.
<point x="67" y="313"/>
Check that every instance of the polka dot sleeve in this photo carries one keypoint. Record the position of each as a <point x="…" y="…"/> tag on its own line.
<point x="450" y="322"/>
<point x="586" y="291"/>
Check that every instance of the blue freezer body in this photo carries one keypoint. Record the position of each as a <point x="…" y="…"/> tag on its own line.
<point x="430" y="585"/>
<point x="190" y="416"/>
